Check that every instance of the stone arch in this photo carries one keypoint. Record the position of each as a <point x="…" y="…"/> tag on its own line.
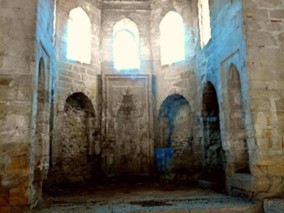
<point x="175" y="140"/>
<point x="41" y="135"/>
<point x="213" y="166"/>
<point x="237" y="131"/>
<point x="77" y="148"/>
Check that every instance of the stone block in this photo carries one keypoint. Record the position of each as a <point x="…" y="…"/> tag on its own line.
<point x="273" y="205"/>
<point x="269" y="4"/>
<point x="261" y="184"/>
<point x="256" y="38"/>
<point x="19" y="195"/>
<point x="270" y="158"/>
<point x="241" y="181"/>
<point x="277" y="170"/>
<point x="277" y="14"/>
<point x="19" y="165"/>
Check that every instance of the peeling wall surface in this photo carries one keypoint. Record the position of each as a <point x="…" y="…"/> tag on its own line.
<point x="216" y="115"/>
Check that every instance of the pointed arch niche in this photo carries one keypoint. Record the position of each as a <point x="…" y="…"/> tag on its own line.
<point x="236" y="123"/>
<point x="126" y="45"/>
<point x="79" y="36"/>
<point x="74" y="158"/>
<point x="172" y="38"/>
<point x="213" y="168"/>
<point x="41" y="131"/>
<point x="175" y="151"/>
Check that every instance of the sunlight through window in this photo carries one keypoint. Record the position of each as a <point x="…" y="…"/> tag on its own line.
<point x="125" y="51"/>
<point x="172" y="38"/>
<point x="204" y="22"/>
<point x="126" y="45"/>
<point x="79" y="36"/>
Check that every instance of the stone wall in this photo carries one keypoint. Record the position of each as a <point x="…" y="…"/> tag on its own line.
<point x="127" y="148"/>
<point x="75" y="144"/>
<point x="243" y="61"/>
<point x="127" y="145"/>
<point x="177" y="78"/>
<point x="263" y="25"/>
<point x="76" y="77"/>
<point x="226" y="48"/>
<point x="175" y="134"/>
<point x="17" y="20"/>
<point x="139" y="13"/>
<point x="19" y="69"/>
<point x="44" y="78"/>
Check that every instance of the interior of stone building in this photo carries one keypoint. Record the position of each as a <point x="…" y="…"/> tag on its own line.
<point x="177" y="100"/>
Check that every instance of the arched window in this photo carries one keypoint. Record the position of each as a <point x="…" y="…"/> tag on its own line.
<point x="79" y="36"/>
<point x="204" y="22"/>
<point x="126" y="45"/>
<point x="172" y="38"/>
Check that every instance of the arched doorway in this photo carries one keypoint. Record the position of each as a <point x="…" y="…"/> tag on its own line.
<point x="213" y="166"/>
<point x="174" y="155"/>
<point x="236" y="124"/>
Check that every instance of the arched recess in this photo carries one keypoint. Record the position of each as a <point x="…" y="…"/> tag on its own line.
<point x="174" y="146"/>
<point x="79" y="36"/>
<point x="41" y="137"/>
<point x="75" y="156"/>
<point x="126" y="54"/>
<point x="213" y="169"/>
<point x="237" y="133"/>
<point x="172" y="38"/>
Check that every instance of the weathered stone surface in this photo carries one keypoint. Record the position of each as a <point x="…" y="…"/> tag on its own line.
<point x="273" y="205"/>
<point x="237" y="130"/>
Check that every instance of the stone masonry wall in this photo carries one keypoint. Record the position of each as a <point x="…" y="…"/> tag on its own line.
<point x="177" y="78"/>
<point x="264" y="33"/>
<point x="127" y="101"/>
<point x="226" y="48"/>
<point x="139" y="13"/>
<point x="74" y="76"/>
<point x="17" y="65"/>
<point x="44" y="79"/>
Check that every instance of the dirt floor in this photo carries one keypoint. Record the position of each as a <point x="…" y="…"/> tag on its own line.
<point x="128" y="198"/>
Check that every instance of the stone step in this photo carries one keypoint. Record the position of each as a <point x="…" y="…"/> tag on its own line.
<point x="213" y="203"/>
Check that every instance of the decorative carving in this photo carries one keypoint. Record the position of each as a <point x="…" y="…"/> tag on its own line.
<point x="128" y="108"/>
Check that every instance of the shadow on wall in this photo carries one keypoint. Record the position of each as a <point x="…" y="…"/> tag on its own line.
<point x="213" y="166"/>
